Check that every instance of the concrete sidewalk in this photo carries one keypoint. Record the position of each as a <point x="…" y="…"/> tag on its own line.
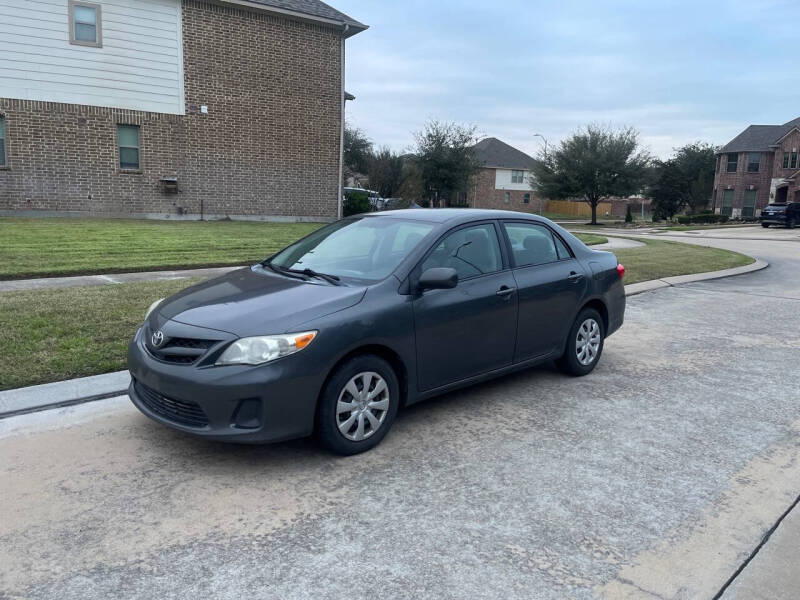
<point x="112" y="278"/>
<point x="772" y="574"/>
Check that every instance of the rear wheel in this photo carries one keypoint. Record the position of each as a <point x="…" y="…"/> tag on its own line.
<point x="358" y="405"/>
<point x="585" y="344"/>
<point x="765" y="225"/>
<point x="791" y="223"/>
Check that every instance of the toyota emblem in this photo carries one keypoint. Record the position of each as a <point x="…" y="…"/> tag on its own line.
<point x="157" y="339"/>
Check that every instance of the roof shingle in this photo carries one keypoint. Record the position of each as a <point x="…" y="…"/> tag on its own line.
<point x="492" y="152"/>
<point x="759" y="137"/>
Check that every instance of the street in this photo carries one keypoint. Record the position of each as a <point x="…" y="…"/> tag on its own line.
<point x="654" y="477"/>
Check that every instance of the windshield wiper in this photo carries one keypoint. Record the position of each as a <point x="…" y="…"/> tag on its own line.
<point x="283" y="271"/>
<point x="333" y="279"/>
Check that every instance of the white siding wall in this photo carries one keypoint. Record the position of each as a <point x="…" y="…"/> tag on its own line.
<point x="140" y="65"/>
<point x="502" y="181"/>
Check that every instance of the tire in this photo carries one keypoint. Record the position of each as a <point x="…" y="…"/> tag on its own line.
<point x="361" y="434"/>
<point x="791" y="224"/>
<point x="765" y="225"/>
<point x="570" y="363"/>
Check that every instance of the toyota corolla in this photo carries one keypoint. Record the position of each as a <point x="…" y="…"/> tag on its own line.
<point x="334" y="334"/>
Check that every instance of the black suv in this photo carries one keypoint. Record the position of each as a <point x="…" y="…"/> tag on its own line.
<point x="787" y="215"/>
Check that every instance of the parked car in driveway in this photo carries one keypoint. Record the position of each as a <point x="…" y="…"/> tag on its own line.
<point x="338" y="331"/>
<point x="787" y="215"/>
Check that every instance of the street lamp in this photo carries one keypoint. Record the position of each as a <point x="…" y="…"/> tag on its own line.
<point x="544" y="139"/>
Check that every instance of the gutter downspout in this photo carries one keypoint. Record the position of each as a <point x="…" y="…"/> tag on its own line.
<point x="339" y="207"/>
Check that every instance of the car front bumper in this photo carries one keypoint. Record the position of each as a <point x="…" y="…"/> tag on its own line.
<point x="238" y="403"/>
<point x="773" y="219"/>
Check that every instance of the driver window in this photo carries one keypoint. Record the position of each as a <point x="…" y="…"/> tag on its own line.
<point x="470" y="251"/>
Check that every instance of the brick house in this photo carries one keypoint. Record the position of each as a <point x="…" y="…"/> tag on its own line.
<point x="504" y="179"/>
<point x="758" y="166"/>
<point x="173" y="108"/>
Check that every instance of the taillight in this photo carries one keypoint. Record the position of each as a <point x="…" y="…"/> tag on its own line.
<point x="621" y="271"/>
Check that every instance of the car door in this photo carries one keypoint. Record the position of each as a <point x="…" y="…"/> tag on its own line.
<point x="470" y="329"/>
<point x="551" y="283"/>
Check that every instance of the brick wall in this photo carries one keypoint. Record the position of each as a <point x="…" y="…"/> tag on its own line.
<point x="482" y="194"/>
<point x="269" y="145"/>
<point x="741" y="180"/>
<point x="789" y="144"/>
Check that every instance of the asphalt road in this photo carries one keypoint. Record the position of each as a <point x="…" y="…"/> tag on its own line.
<point x="654" y="477"/>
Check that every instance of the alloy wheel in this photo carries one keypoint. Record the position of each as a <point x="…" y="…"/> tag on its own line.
<point x="587" y="342"/>
<point x="362" y="406"/>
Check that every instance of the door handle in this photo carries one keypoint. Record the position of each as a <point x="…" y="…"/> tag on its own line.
<point x="505" y="291"/>
<point x="575" y="277"/>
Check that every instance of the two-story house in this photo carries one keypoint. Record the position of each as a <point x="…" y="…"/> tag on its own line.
<point x="504" y="179"/>
<point x="758" y="166"/>
<point x="172" y="108"/>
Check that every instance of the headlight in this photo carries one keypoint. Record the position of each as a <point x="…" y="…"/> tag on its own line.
<point x="152" y="307"/>
<point x="261" y="349"/>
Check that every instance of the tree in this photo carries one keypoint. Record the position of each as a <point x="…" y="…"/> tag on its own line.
<point x="446" y="160"/>
<point x="593" y="164"/>
<point x="685" y="180"/>
<point x="411" y="188"/>
<point x="385" y="170"/>
<point x="668" y="189"/>
<point x="357" y="150"/>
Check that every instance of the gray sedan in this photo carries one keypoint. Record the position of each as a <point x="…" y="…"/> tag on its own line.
<point x="338" y="331"/>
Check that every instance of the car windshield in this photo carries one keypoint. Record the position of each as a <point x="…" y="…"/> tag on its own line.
<point x="365" y="248"/>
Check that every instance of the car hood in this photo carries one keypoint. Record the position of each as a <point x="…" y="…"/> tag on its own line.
<point x="255" y="301"/>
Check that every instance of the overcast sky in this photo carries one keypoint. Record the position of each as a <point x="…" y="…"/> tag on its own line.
<point x="678" y="71"/>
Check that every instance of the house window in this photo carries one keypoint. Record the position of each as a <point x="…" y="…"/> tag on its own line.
<point x="753" y="162"/>
<point x="2" y="141"/>
<point x="727" y="202"/>
<point x="128" y="140"/>
<point x="718" y="161"/>
<point x="517" y="176"/>
<point x="733" y="159"/>
<point x="526" y="199"/>
<point x="785" y="160"/>
<point x="794" y="160"/>
<point x="85" y="24"/>
<point x="507" y="197"/>
<point x="749" y="204"/>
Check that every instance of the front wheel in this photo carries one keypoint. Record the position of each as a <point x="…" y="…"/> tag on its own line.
<point x="584" y="345"/>
<point x="765" y="225"/>
<point x="358" y="405"/>
<point x="791" y="223"/>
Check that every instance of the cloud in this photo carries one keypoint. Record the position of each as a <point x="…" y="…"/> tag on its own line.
<point x="677" y="70"/>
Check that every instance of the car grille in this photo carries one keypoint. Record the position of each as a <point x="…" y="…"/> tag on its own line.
<point x="183" y="351"/>
<point x="178" y="411"/>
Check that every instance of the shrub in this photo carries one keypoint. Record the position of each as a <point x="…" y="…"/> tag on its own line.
<point x="355" y="202"/>
<point x="704" y="218"/>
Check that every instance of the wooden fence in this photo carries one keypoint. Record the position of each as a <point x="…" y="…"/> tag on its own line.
<point x="577" y="209"/>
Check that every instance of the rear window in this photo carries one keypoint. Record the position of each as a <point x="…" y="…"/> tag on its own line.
<point x="777" y="207"/>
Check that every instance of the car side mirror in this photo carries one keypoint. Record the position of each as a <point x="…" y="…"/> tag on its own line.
<point x="438" y="278"/>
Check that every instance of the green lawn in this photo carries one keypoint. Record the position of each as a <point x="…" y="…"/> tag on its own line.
<point x="590" y="239"/>
<point x="49" y="335"/>
<point x="49" y="247"/>
<point x="659" y="258"/>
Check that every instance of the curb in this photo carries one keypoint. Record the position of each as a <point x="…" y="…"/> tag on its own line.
<point x="655" y="284"/>
<point x="63" y="393"/>
<point x="109" y="385"/>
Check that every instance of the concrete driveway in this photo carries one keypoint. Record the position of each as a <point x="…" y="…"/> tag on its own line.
<point x="654" y="477"/>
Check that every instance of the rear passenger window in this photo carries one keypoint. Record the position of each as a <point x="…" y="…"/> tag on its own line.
<point x="470" y="251"/>
<point x="532" y="244"/>
<point x="563" y="251"/>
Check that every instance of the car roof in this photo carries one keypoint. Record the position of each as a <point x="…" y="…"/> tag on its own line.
<point x="452" y="215"/>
